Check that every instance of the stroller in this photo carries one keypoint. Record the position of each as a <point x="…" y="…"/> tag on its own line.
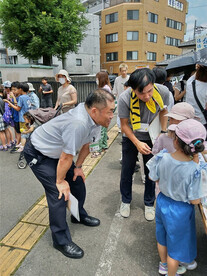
<point x="41" y="116"/>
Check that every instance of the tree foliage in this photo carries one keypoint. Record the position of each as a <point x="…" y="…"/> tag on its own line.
<point x="37" y="28"/>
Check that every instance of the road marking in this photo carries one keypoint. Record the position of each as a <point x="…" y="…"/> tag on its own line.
<point x="106" y="260"/>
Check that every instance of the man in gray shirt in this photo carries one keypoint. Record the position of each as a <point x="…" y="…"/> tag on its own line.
<point x="50" y="153"/>
<point x="136" y="139"/>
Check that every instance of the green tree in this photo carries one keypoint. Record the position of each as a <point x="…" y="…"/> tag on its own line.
<point x="42" y="28"/>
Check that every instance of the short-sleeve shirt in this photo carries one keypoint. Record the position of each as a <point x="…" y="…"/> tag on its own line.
<point x="146" y="115"/>
<point x="119" y="85"/>
<point x="47" y="87"/>
<point x="25" y="104"/>
<point x="201" y="92"/>
<point x="66" y="133"/>
<point x="15" y="114"/>
<point x="64" y="96"/>
<point x="179" y="180"/>
<point x="35" y="102"/>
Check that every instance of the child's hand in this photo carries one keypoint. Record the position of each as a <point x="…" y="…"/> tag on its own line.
<point x="7" y="101"/>
<point x="11" y="94"/>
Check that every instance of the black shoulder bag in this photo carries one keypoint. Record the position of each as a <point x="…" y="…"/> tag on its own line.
<point x="204" y="111"/>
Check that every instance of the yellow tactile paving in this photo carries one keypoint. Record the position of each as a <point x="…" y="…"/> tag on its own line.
<point x="10" y="259"/>
<point x="23" y="235"/>
<point x="43" y="201"/>
<point x="38" y="215"/>
<point x="20" y="240"/>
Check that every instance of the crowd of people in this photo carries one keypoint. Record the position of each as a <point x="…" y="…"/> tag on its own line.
<point x="174" y="166"/>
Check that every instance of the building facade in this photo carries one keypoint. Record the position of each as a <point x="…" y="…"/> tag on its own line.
<point x="85" y="62"/>
<point x="141" y="32"/>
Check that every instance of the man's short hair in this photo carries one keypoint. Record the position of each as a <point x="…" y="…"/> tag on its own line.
<point x="160" y="75"/>
<point x="24" y="86"/>
<point x="123" y="65"/>
<point x="44" y="78"/>
<point x="15" y="84"/>
<point x="141" y="78"/>
<point x="99" y="98"/>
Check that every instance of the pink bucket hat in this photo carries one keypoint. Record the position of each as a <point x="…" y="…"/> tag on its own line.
<point x="181" y="111"/>
<point x="189" y="130"/>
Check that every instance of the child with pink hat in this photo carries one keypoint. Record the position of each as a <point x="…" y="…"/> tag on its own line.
<point x="181" y="175"/>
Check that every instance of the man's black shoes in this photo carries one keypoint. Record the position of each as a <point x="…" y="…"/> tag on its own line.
<point x="70" y="250"/>
<point x="88" y="221"/>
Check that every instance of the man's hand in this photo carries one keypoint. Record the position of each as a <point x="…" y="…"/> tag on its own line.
<point x="64" y="189"/>
<point x="143" y="148"/>
<point x="78" y="172"/>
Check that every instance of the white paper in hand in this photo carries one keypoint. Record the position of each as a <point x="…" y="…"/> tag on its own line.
<point x="155" y="128"/>
<point x="73" y="206"/>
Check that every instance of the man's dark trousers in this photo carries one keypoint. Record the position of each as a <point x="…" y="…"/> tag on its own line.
<point x="45" y="171"/>
<point x="129" y="157"/>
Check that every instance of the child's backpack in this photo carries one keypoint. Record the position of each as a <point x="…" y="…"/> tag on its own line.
<point x="7" y="116"/>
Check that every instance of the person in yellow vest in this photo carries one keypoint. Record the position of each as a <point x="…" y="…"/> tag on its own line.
<point x="137" y="108"/>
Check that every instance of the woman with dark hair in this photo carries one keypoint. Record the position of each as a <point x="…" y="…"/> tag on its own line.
<point x="196" y="89"/>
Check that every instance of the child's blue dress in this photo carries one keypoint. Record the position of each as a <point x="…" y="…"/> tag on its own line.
<point x="179" y="183"/>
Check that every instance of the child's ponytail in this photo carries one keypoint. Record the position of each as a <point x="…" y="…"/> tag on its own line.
<point x="193" y="148"/>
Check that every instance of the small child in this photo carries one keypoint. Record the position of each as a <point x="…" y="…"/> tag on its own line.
<point x="25" y="133"/>
<point x="181" y="180"/>
<point x="22" y="106"/>
<point x="177" y="114"/>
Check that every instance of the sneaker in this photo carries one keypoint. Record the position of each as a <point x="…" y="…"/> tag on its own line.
<point x="5" y="148"/>
<point x="149" y="213"/>
<point x="190" y="266"/>
<point x="125" y="210"/>
<point x="20" y="149"/>
<point x="14" y="150"/>
<point x="163" y="269"/>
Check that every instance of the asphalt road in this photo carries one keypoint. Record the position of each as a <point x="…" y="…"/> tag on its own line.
<point x="118" y="247"/>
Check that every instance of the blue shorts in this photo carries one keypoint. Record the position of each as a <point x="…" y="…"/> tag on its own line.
<point x="175" y="228"/>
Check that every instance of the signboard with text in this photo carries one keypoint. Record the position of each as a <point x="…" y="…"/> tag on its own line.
<point x="201" y="42"/>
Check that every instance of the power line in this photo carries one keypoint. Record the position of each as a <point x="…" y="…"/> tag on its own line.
<point x="197" y="7"/>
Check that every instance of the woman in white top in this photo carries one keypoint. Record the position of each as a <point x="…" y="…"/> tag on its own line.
<point x="200" y="79"/>
<point x="67" y="94"/>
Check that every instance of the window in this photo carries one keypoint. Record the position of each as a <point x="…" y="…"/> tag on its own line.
<point x="175" y="4"/>
<point x="168" y="56"/>
<point x="152" y="37"/>
<point x="152" y="17"/>
<point x="111" y="38"/>
<point x="151" y="56"/>
<point x="174" y="24"/>
<point x="112" y="56"/>
<point x="113" y="17"/>
<point x="132" y="55"/>
<point x="132" y="35"/>
<point x="78" y="62"/>
<point x="132" y="14"/>
<point x="172" y="41"/>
